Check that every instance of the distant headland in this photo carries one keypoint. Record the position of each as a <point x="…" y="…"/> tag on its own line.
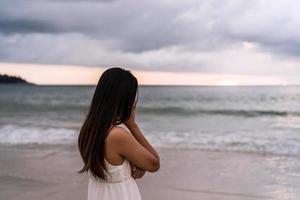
<point x="6" y="79"/>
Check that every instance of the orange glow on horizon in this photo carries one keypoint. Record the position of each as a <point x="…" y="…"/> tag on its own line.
<point x="53" y="74"/>
<point x="82" y="75"/>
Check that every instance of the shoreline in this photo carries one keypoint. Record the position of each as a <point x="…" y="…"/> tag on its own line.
<point x="49" y="172"/>
<point x="74" y="146"/>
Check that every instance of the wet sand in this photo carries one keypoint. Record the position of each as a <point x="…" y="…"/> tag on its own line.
<point x="49" y="172"/>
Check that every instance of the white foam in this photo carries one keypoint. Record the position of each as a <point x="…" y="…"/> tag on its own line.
<point x="287" y="122"/>
<point x="240" y="142"/>
<point x="13" y="134"/>
<point x="279" y="143"/>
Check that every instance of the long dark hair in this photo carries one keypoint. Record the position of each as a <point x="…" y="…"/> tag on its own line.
<point x="111" y="105"/>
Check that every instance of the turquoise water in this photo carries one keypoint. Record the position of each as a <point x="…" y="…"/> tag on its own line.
<point x="247" y="119"/>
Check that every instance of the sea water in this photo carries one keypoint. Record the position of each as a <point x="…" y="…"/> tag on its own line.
<point x="264" y="120"/>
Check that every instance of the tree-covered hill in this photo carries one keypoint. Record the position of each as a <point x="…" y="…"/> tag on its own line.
<point x="6" y="79"/>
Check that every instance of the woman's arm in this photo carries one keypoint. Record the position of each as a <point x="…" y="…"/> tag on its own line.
<point x="137" y="134"/>
<point x="127" y="146"/>
<point x="134" y="146"/>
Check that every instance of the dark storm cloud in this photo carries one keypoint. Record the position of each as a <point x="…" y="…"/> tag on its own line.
<point x="10" y="26"/>
<point x="131" y="25"/>
<point x="160" y="34"/>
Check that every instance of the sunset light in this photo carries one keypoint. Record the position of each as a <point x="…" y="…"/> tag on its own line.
<point x="227" y="82"/>
<point x="82" y="75"/>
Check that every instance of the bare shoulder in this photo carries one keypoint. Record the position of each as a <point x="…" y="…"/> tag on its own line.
<point x="118" y="135"/>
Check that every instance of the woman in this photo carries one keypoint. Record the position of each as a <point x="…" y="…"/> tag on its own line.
<point x="113" y="157"/>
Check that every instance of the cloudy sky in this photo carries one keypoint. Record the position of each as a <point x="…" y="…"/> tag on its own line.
<point x="192" y="41"/>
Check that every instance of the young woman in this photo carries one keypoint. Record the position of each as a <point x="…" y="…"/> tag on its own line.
<point x="113" y="157"/>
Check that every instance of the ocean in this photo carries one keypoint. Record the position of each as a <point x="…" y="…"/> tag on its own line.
<point x="262" y="120"/>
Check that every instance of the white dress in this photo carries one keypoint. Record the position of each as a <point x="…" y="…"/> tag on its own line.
<point x="120" y="185"/>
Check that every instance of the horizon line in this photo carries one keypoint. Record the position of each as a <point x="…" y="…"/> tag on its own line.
<point x="165" y="85"/>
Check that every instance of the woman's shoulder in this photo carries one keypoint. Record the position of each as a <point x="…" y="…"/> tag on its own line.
<point x="118" y="130"/>
<point x="117" y="134"/>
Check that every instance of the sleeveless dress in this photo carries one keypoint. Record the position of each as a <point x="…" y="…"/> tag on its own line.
<point x="120" y="185"/>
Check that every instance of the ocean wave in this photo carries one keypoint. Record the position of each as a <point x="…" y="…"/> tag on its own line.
<point x="13" y="134"/>
<point x="292" y="122"/>
<point x="236" y="142"/>
<point x="201" y="111"/>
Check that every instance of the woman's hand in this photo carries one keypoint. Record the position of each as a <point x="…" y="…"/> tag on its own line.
<point x="136" y="172"/>
<point x="131" y="121"/>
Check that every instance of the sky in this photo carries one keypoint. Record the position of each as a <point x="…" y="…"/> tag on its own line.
<point x="192" y="42"/>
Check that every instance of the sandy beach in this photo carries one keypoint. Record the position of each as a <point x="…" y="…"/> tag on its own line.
<point x="49" y="172"/>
